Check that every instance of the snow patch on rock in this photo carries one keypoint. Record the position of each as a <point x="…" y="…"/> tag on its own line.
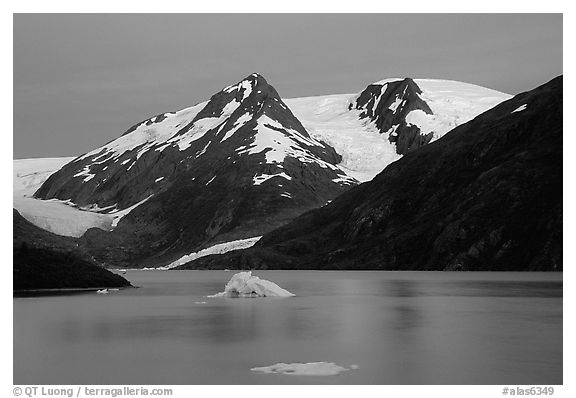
<point x="265" y="177"/>
<point x="149" y="133"/>
<point x="520" y="108"/>
<point x="279" y="142"/>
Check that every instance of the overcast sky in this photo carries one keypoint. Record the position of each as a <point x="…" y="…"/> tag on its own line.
<point x="82" y="80"/>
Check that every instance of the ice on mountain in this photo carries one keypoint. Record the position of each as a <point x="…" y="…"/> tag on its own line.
<point x="61" y="217"/>
<point x="146" y="136"/>
<point x="247" y="86"/>
<point x="243" y="284"/>
<point x="392" y="130"/>
<point x="85" y="172"/>
<point x="264" y="177"/>
<point x="241" y="121"/>
<point x="520" y="108"/>
<point x="393" y="106"/>
<point x="118" y="215"/>
<point x="305" y="369"/>
<point x="343" y="179"/>
<point x="29" y="174"/>
<point x="203" y="151"/>
<point x="229" y="89"/>
<point x="419" y="118"/>
<point x="162" y="147"/>
<point x="365" y="152"/>
<point x="453" y="103"/>
<point x="278" y="142"/>
<point x="200" y="127"/>
<point x="216" y="249"/>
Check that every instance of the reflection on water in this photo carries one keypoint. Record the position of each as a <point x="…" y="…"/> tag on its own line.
<point x="399" y="327"/>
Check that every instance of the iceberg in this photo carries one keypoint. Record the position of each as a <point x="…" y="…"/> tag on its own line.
<point x="305" y="369"/>
<point x="243" y="284"/>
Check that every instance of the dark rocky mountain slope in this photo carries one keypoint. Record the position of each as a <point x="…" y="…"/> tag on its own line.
<point x="486" y="196"/>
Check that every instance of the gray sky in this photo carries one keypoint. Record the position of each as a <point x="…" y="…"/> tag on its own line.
<point x="82" y="80"/>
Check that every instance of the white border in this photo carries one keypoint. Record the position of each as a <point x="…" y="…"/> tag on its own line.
<point x="422" y="6"/>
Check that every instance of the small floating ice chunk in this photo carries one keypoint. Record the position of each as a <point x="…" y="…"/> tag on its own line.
<point x="243" y="284"/>
<point x="305" y="369"/>
<point x="520" y="108"/>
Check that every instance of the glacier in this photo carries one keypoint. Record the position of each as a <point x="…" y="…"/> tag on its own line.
<point x="57" y="216"/>
<point x="365" y="151"/>
<point x="220" y="248"/>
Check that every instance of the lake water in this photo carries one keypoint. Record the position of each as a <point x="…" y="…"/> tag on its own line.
<point x="397" y="327"/>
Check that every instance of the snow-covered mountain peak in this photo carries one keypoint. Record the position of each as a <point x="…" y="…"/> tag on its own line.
<point x="246" y="119"/>
<point x="247" y="161"/>
<point x="412" y="112"/>
<point x="389" y="118"/>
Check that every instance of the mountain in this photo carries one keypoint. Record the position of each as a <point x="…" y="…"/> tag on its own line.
<point x="43" y="260"/>
<point x="389" y="118"/>
<point x="486" y="196"/>
<point x="236" y="166"/>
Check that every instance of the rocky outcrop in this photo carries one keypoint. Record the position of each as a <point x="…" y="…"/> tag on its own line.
<point x="387" y="105"/>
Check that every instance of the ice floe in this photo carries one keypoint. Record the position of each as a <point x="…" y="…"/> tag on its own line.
<point x="243" y="284"/>
<point x="305" y="369"/>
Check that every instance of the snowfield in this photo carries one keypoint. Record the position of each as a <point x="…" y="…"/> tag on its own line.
<point x="59" y="217"/>
<point x="453" y="104"/>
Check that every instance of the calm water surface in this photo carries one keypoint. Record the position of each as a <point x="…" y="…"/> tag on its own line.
<point x="398" y="327"/>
